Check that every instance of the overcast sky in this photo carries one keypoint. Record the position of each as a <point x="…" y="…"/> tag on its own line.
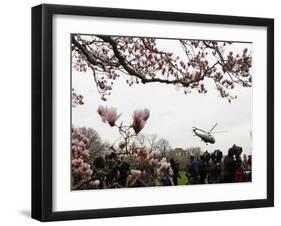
<point x="172" y="113"/>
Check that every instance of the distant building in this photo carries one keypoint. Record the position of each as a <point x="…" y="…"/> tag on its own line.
<point x="185" y="153"/>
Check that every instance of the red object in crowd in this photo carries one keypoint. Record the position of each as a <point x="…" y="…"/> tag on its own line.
<point x="249" y="161"/>
<point x="240" y="176"/>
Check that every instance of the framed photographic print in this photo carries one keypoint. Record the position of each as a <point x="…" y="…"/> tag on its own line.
<point x="146" y="112"/>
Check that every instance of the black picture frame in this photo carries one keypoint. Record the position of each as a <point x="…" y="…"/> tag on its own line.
<point x="42" y="107"/>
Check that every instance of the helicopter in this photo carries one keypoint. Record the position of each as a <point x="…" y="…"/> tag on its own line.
<point x="205" y="136"/>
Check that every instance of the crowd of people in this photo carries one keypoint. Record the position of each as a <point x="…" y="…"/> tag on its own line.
<point x="115" y="171"/>
<point x="216" y="168"/>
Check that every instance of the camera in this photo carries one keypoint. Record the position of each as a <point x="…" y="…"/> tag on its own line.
<point x="235" y="151"/>
<point x="216" y="156"/>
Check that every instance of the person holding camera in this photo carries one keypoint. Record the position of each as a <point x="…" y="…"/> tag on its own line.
<point x="229" y="166"/>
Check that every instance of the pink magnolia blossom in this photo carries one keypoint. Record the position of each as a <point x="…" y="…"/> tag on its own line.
<point x="154" y="154"/>
<point x="94" y="184"/>
<point x="165" y="168"/>
<point x="81" y="168"/>
<point x="141" y="152"/>
<point x="108" y="115"/>
<point x="164" y="165"/>
<point x="76" y="171"/>
<point x="139" y="119"/>
<point x="85" y="140"/>
<point x="153" y="162"/>
<point x="76" y="163"/>
<point x="81" y="144"/>
<point x="122" y="145"/>
<point x="85" y="167"/>
<point x="86" y="154"/>
<point x="76" y="99"/>
<point x="88" y="173"/>
<point x="74" y="148"/>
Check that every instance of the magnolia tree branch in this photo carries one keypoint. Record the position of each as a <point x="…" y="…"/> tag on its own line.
<point x="139" y="60"/>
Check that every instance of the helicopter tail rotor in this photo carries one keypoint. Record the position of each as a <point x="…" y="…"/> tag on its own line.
<point x="224" y="131"/>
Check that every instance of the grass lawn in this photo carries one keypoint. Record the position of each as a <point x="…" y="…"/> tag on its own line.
<point x="182" y="180"/>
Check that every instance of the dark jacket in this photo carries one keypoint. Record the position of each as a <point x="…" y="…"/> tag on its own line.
<point x="229" y="169"/>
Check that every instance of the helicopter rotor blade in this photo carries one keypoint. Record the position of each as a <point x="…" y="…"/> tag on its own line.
<point x="213" y="127"/>
<point x="195" y="128"/>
